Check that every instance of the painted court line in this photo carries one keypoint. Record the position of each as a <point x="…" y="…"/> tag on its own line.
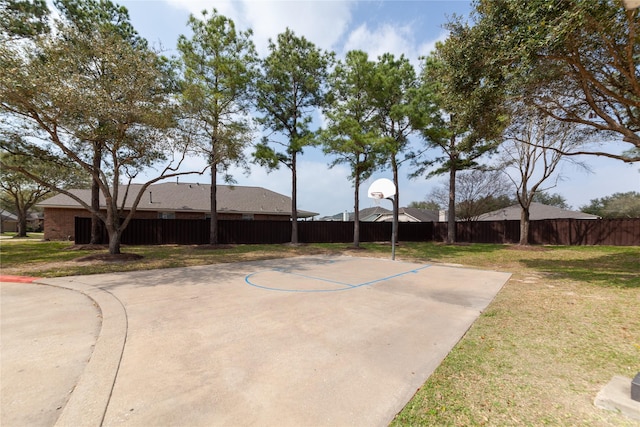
<point x="250" y="279"/>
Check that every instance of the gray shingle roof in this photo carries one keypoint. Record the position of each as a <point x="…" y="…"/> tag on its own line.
<point x="422" y="215"/>
<point x="537" y="211"/>
<point x="8" y="216"/>
<point x="186" y="197"/>
<point x="374" y="213"/>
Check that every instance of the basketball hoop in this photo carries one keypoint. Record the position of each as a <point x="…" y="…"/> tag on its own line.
<point x="377" y="196"/>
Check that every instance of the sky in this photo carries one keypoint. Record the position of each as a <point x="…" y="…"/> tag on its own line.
<point x="411" y="28"/>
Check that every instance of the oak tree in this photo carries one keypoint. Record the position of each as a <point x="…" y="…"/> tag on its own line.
<point x="577" y="61"/>
<point x="72" y="87"/>
<point x="22" y="193"/>
<point x="532" y="154"/>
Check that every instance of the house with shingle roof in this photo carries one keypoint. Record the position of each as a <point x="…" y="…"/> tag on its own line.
<point x="173" y="201"/>
<point x="537" y="211"/>
<point x="410" y="215"/>
<point x="8" y="221"/>
<point x="380" y="214"/>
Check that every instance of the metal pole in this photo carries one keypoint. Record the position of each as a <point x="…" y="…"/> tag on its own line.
<point x="394" y="227"/>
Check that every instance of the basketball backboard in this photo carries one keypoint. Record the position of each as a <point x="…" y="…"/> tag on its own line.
<point x="382" y="188"/>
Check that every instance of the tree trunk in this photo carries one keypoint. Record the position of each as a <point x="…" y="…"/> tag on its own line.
<point x="213" y="226"/>
<point x="524" y="226"/>
<point x="22" y="224"/>
<point x="114" y="241"/>
<point x="113" y="227"/>
<point x="21" y="212"/>
<point x="356" y="213"/>
<point x="294" y="201"/>
<point x="96" y="232"/>
<point x="451" y="216"/>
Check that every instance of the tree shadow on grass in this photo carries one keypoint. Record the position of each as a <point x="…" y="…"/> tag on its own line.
<point x="621" y="270"/>
<point x="438" y="251"/>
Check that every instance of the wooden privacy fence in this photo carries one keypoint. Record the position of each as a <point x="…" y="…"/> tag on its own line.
<point x="616" y="232"/>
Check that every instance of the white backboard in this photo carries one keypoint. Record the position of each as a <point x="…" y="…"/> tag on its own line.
<point x="382" y="188"/>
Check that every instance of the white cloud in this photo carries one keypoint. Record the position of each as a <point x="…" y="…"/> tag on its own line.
<point x="397" y="40"/>
<point x="322" y="22"/>
<point x="324" y="190"/>
<point x="386" y="38"/>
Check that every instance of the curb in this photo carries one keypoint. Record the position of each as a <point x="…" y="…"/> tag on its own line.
<point x="88" y="402"/>
<point x="17" y="279"/>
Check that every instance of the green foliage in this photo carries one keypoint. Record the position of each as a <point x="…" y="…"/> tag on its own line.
<point x="351" y="134"/>
<point x="20" y="192"/>
<point x="23" y="18"/>
<point x="468" y="120"/>
<point x="425" y="204"/>
<point x="85" y="91"/>
<point x="618" y="205"/>
<point x="578" y="61"/>
<point x="88" y="15"/>
<point x="290" y="88"/>
<point x="467" y="117"/>
<point x="549" y="199"/>
<point x="398" y="112"/>
<point x="219" y="74"/>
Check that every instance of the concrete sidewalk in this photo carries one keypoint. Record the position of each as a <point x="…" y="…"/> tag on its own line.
<point x="47" y="338"/>
<point x="303" y="341"/>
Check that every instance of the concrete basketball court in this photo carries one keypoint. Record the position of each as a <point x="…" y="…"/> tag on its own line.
<point x="313" y="341"/>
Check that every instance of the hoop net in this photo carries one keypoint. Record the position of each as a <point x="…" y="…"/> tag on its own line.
<point x="376" y="196"/>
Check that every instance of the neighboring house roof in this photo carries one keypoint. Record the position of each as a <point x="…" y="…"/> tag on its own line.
<point x="378" y="214"/>
<point x="422" y="215"/>
<point x="367" y="214"/>
<point x="186" y="197"/>
<point x="372" y="214"/>
<point x="8" y="216"/>
<point x="537" y="211"/>
<point x="411" y="215"/>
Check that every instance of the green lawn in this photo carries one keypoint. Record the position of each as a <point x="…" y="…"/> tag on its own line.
<point x="565" y="323"/>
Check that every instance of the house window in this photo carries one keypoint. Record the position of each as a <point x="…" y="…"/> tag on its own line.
<point x="247" y="217"/>
<point x="166" y="215"/>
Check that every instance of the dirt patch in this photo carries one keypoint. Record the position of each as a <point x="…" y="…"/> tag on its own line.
<point x="88" y="247"/>
<point x="110" y="257"/>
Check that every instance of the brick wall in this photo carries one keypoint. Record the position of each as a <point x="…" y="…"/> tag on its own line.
<point x="59" y="223"/>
